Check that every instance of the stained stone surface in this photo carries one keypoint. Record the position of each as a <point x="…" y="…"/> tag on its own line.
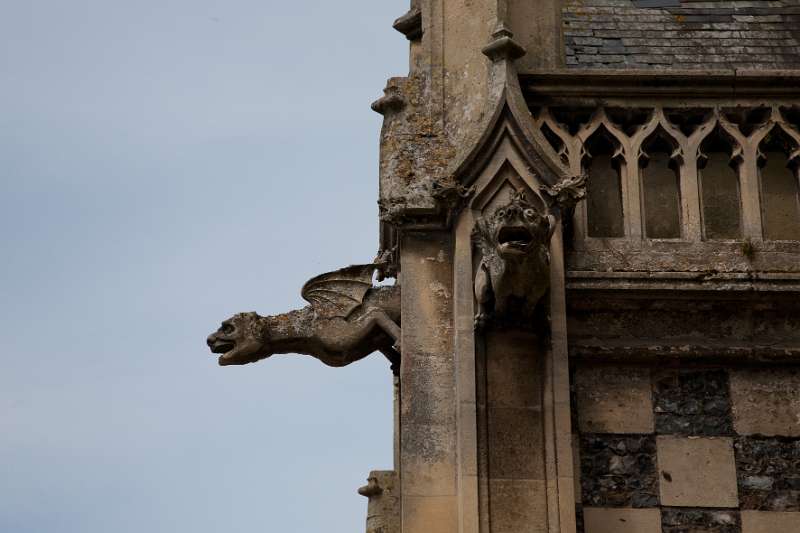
<point x="613" y="399"/>
<point x="685" y="520"/>
<point x="600" y="520"/>
<point x="697" y="472"/>
<point x="619" y="471"/>
<point x="768" y="472"/>
<point x="764" y="522"/>
<point x="692" y="402"/>
<point x="766" y="401"/>
<point x="514" y="435"/>
<point x="520" y="502"/>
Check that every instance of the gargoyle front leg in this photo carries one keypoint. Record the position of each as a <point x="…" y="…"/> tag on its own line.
<point x="483" y="296"/>
<point x="382" y="320"/>
<point x="346" y="336"/>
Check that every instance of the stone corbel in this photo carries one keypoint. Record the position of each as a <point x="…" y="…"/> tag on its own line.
<point x="410" y="24"/>
<point x="503" y="47"/>
<point x="391" y="101"/>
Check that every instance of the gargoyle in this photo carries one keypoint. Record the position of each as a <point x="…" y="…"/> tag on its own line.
<point x="514" y="248"/>
<point x="347" y="320"/>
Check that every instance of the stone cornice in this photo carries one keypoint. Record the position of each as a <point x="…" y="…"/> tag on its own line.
<point x="693" y="282"/>
<point x="695" y="83"/>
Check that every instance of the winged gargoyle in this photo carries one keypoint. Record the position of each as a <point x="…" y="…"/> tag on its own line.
<point x="347" y="320"/>
<point x="514" y="271"/>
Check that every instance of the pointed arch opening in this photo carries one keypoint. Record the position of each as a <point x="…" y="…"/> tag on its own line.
<point x="604" y="206"/>
<point x="719" y="164"/>
<point x="659" y="171"/>
<point x="779" y="179"/>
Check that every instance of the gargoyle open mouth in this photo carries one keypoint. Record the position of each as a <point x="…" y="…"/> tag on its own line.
<point x="222" y="347"/>
<point x="514" y="237"/>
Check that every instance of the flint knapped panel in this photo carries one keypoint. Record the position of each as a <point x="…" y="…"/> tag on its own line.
<point x="768" y="472"/>
<point x="685" y="519"/>
<point x="692" y="403"/>
<point x="619" y="471"/>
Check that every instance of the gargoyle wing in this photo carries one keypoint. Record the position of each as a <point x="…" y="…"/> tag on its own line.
<point x="339" y="293"/>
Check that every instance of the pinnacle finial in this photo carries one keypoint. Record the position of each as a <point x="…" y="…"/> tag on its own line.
<point x="503" y="47"/>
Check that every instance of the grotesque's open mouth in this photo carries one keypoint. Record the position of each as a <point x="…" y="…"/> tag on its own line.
<point x="222" y="347"/>
<point x="517" y="237"/>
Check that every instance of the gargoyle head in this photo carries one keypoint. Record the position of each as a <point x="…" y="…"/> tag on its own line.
<point x="518" y="227"/>
<point x="241" y="339"/>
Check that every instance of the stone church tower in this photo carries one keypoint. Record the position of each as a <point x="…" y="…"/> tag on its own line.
<point x="592" y="210"/>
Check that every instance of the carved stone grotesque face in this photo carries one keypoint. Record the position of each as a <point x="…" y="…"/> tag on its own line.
<point x="517" y="227"/>
<point x="239" y="340"/>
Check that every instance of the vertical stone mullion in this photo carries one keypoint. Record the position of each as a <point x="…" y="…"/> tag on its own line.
<point x="690" y="196"/>
<point x="633" y="202"/>
<point x="751" y="194"/>
<point x="581" y="215"/>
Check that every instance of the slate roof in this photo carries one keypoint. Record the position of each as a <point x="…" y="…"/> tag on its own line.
<point x="682" y="34"/>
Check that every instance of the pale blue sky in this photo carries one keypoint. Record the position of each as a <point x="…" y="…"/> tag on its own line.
<point x="164" y="164"/>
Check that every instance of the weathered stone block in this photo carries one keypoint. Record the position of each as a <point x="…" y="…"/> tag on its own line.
<point x="763" y="522"/>
<point x="512" y="370"/>
<point x="766" y="401"/>
<point x="613" y="399"/>
<point x="437" y="514"/>
<point x="606" y="520"/>
<point x="518" y="505"/>
<point x="697" y="472"/>
<point x="515" y="441"/>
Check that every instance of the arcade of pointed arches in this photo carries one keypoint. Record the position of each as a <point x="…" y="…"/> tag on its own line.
<point x="683" y="175"/>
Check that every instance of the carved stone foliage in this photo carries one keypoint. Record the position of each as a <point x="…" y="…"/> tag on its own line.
<point x="684" y="174"/>
<point x="347" y="320"/>
<point x="514" y="266"/>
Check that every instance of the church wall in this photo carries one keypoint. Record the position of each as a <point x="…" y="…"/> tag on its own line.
<point x="675" y="446"/>
<point x="683" y="349"/>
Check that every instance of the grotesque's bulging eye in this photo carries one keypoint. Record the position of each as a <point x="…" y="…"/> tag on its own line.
<point x="501" y="213"/>
<point x="227" y="329"/>
<point x="530" y="213"/>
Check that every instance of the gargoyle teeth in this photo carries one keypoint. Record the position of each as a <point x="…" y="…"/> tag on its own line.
<point x="514" y="236"/>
